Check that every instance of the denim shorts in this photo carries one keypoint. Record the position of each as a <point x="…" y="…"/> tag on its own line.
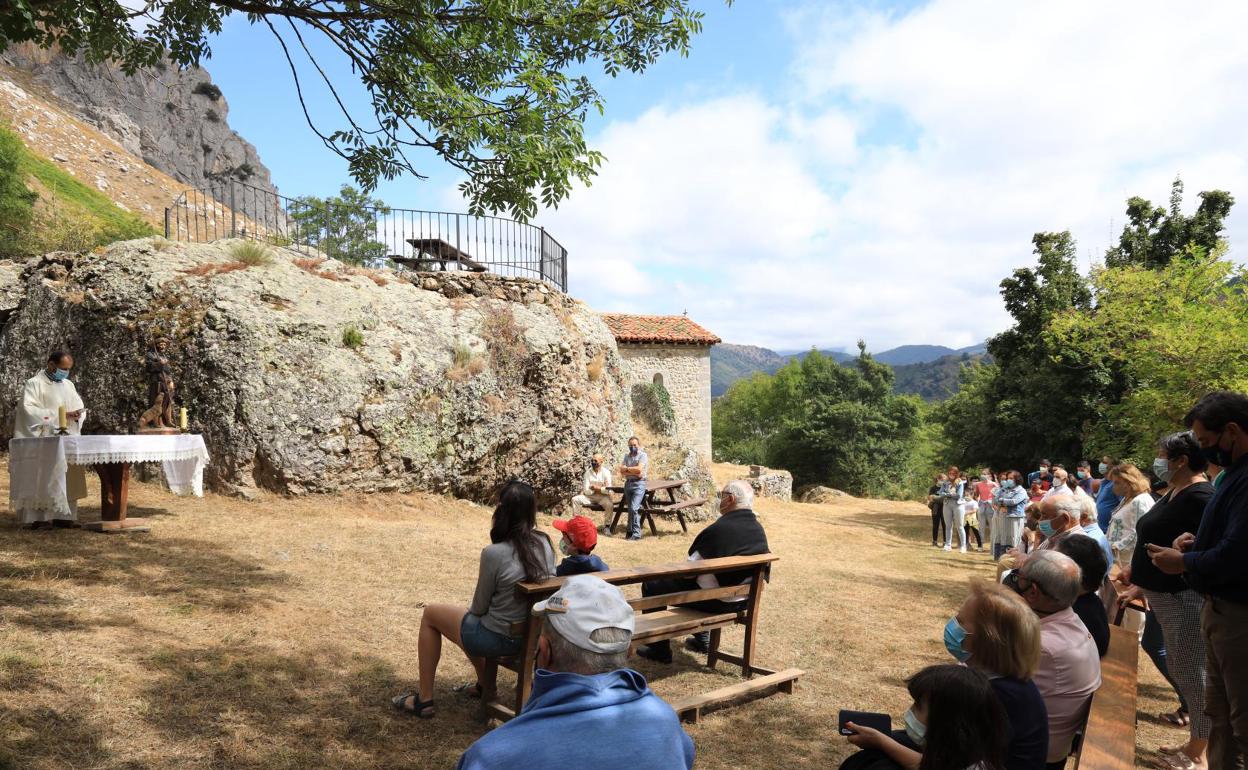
<point x="481" y="642"/>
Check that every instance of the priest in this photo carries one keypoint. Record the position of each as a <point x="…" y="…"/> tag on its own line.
<point x="38" y="415"/>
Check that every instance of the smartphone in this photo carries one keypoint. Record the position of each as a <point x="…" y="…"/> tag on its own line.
<point x="881" y="722"/>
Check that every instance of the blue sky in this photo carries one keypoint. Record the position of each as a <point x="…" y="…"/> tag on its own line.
<point x="817" y="172"/>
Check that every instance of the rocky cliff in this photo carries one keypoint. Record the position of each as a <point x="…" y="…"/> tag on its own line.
<point x="309" y="376"/>
<point x="175" y="120"/>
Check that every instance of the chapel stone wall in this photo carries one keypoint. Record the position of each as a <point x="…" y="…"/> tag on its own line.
<point x="686" y="374"/>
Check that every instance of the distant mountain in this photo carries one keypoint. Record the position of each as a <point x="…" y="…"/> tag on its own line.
<point x="930" y="371"/>
<point x="934" y="380"/>
<point x="730" y="363"/>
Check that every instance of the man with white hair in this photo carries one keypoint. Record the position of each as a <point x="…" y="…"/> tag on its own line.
<point x="1059" y="519"/>
<point x="583" y="690"/>
<point x="737" y="532"/>
<point x="1070" y="668"/>
<point x="595" y="488"/>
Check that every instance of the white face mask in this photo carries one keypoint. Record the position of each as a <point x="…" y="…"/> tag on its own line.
<point x="916" y="730"/>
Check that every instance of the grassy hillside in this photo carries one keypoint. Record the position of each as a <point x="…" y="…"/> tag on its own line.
<point x="934" y="380"/>
<point x="730" y="363"/>
<point x="70" y="214"/>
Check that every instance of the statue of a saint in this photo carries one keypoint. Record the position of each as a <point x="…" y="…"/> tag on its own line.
<point x="160" y="388"/>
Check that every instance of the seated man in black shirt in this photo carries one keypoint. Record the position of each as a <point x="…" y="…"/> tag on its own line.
<point x="1087" y="553"/>
<point x="737" y="532"/>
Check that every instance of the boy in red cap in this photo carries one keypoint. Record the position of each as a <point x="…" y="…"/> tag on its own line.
<point x="579" y="538"/>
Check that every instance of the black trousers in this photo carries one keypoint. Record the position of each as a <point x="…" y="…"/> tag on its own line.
<point x="938" y="520"/>
<point x="676" y="585"/>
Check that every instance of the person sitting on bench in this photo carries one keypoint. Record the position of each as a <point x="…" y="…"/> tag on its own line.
<point x="587" y="708"/>
<point x="596" y="489"/>
<point x="1087" y="553"/>
<point x="1070" y="669"/>
<point x="518" y="551"/>
<point x="737" y="532"/>
<point x="578" y="541"/>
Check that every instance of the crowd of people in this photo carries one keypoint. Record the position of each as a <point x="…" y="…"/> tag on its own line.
<point x="1178" y="541"/>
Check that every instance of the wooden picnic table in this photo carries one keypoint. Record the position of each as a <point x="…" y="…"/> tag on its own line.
<point x="652" y="505"/>
<point x="435" y="250"/>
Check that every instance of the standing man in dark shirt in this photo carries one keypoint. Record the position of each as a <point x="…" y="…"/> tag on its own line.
<point x="1214" y="562"/>
<point x="737" y="532"/>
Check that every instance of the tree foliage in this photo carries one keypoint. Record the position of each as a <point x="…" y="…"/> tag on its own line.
<point x="497" y="89"/>
<point x="1170" y="334"/>
<point x="1155" y="235"/>
<point x="825" y="423"/>
<point x="343" y="227"/>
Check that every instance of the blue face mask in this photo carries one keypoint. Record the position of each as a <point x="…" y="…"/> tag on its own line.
<point x="1007" y="484"/>
<point x="1046" y="527"/>
<point x="1081" y="474"/>
<point x="955" y="635"/>
<point x="632" y="450"/>
<point x="60" y="375"/>
<point x="1102" y="468"/>
<point x="1161" y="469"/>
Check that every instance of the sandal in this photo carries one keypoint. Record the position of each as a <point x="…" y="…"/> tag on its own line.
<point x="468" y="689"/>
<point x="1178" y="718"/>
<point x="419" y="708"/>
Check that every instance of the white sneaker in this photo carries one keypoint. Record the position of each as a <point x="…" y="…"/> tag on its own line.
<point x="962" y="549"/>
<point x="948" y="548"/>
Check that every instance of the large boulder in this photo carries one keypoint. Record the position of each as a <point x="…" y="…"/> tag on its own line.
<point x="306" y="375"/>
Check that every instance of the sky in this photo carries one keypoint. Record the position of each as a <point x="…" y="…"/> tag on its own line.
<point x="815" y="173"/>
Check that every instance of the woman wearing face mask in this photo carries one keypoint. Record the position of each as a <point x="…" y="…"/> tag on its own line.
<point x="1175" y="606"/>
<point x="1134" y="490"/>
<point x="518" y="551"/>
<point x="1010" y="504"/>
<point x="996" y="633"/>
<point x="951" y="493"/>
<point x="955" y="723"/>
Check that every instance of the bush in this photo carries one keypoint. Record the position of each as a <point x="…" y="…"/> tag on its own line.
<point x="352" y="338"/>
<point x="208" y="89"/>
<point x="251" y="253"/>
<point x="652" y="405"/>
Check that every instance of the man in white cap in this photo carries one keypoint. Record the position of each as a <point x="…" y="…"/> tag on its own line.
<point x="586" y="708"/>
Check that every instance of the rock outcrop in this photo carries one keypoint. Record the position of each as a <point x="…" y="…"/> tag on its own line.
<point x="819" y="494"/>
<point x="771" y="483"/>
<point x="175" y="120"/>
<point x="305" y="375"/>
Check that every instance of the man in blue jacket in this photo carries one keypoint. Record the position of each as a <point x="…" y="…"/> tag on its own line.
<point x="582" y="688"/>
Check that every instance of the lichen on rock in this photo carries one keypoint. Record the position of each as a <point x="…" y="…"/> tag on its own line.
<point x="286" y="406"/>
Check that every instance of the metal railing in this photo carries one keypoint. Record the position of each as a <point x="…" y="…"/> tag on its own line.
<point x="366" y="235"/>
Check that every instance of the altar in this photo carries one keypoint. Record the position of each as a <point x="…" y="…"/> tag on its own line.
<point x="37" y="471"/>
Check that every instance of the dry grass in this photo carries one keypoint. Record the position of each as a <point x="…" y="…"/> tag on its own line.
<point x="209" y="269"/>
<point x="270" y="634"/>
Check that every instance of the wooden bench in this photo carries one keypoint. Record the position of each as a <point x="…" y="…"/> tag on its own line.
<point x="1109" y="734"/>
<point x="666" y="619"/>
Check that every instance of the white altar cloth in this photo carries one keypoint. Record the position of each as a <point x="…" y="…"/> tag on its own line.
<point x="37" y="465"/>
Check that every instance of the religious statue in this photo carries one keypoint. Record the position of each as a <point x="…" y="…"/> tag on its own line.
<point x="159" y="416"/>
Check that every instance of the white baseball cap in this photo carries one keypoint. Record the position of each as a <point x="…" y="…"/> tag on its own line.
<point x="584" y="605"/>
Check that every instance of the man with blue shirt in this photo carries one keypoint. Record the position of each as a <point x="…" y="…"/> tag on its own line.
<point x="1106" y="500"/>
<point x="1212" y="561"/>
<point x="635" y="468"/>
<point x="587" y="709"/>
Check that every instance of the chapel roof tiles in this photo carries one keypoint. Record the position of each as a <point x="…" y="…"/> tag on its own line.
<point x="659" y="329"/>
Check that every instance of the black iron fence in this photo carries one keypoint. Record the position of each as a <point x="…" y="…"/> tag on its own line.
<point x="369" y="235"/>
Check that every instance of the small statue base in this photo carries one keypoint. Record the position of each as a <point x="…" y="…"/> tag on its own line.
<point x="159" y="432"/>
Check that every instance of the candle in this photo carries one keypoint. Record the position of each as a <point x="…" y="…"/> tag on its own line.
<point x="62" y="420"/>
<point x="182" y="418"/>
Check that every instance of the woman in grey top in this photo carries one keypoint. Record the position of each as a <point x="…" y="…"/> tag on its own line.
<point x="518" y="552"/>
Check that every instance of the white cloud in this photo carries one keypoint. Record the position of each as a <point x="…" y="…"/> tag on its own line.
<point x="890" y="189"/>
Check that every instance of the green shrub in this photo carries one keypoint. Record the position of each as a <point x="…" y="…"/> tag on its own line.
<point x="251" y="253"/>
<point x="352" y="338"/>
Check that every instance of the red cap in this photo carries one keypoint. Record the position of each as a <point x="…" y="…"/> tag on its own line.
<point x="580" y="530"/>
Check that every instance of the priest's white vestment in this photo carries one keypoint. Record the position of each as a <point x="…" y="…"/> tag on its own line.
<point x="37" y="415"/>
